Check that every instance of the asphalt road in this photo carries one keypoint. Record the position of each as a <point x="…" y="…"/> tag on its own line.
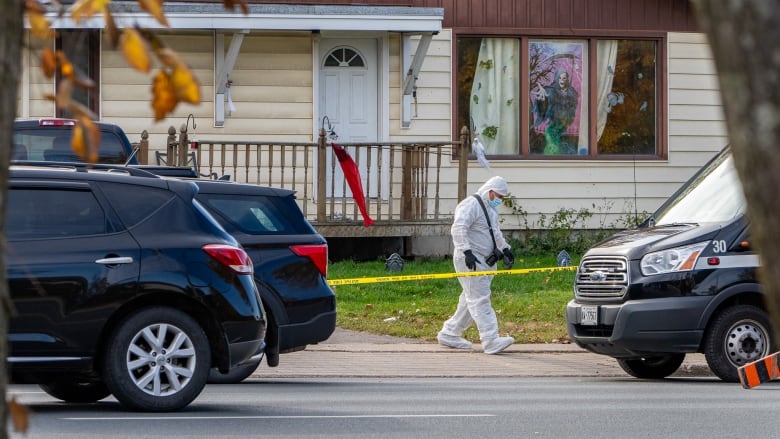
<point x="430" y="408"/>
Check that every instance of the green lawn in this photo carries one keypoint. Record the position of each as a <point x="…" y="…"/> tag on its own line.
<point x="530" y="306"/>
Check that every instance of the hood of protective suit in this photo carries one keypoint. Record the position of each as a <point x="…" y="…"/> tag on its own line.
<point x="496" y="184"/>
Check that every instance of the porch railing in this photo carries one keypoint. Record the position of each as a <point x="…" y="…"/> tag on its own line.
<point x="402" y="181"/>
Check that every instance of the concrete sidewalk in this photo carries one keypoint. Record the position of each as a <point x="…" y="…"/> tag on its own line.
<point x="355" y="354"/>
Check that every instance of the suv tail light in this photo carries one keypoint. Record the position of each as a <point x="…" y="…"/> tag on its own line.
<point x="232" y="257"/>
<point x="318" y="253"/>
<point x="56" y="122"/>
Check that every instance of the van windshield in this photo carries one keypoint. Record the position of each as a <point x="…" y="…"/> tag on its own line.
<point x="714" y="194"/>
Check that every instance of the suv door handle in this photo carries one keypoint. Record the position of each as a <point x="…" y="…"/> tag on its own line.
<point x="115" y="260"/>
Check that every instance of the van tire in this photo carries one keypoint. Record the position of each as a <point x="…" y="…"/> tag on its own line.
<point x="737" y="336"/>
<point x="654" y="368"/>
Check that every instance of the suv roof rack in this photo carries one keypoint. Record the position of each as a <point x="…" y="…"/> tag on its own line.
<point x="83" y="167"/>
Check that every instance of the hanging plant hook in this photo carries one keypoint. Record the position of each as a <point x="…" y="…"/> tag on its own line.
<point x="329" y="130"/>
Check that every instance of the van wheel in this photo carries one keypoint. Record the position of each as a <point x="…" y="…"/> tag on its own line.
<point x="653" y="368"/>
<point x="73" y="391"/>
<point x="236" y="375"/>
<point x="739" y="335"/>
<point x="157" y="359"/>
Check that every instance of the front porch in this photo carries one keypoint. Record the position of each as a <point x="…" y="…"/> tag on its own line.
<point x="406" y="194"/>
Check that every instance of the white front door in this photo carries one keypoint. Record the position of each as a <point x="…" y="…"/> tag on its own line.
<point x="348" y="97"/>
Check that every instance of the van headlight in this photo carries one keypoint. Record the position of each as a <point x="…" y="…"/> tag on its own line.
<point x="672" y="260"/>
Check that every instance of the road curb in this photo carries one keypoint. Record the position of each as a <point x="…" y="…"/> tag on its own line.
<point x="404" y="359"/>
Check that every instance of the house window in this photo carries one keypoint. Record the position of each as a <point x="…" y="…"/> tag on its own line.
<point x="559" y="98"/>
<point x="82" y="48"/>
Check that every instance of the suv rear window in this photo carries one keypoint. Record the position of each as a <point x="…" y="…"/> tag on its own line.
<point x="53" y="144"/>
<point x="256" y="215"/>
<point x="47" y="213"/>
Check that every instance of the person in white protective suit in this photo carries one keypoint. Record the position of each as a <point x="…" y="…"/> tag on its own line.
<point x="473" y="246"/>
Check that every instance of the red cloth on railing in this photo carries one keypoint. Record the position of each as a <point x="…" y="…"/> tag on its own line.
<point x="352" y="174"/>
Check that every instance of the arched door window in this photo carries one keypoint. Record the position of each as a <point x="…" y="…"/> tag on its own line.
<point x="343" y="57"/>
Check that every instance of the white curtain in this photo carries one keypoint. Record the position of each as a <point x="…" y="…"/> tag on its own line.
<point x="606" y="55"/>
<point x="495" y="96"/>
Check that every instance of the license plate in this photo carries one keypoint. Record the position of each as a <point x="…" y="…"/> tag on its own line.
<point x="589" y="315"/>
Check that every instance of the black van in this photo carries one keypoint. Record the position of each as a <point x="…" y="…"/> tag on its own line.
<point x="683" y="281"/>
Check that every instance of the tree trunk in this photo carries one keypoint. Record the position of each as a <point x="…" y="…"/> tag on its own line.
<point x="11" y="31"/>
<point x="743" y="36"/>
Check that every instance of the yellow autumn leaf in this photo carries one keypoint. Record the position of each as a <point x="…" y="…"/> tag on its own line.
<point x="20" y="416"/>
<point x="34" y="6"/>
<point x="168" y="57"/>
<point x="82" y="80"/>
<point x="163" y="98"/>
<point x="64" y="92"/>
<point x="135" y="50"/>
<point x="87" y="8"/>
<point x="92" y="132"/>
<point x="185" y="85"/>
<point x="86" y="139"/>
<point x="78" y="142"/>
<point x="66" y="68"/>
<point x="155" y="9"/>
<point x="39" y="25"/>
<point x="231" y="5"/>
<point x="112" y="32"/>
<point x="48" y="62"/>
<point x="80" y="111"/>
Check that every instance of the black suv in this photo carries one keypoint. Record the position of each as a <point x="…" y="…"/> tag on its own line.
<point x="48" y="140"/>
<point x="123" y="285"/>
<point x="290" y="260"/>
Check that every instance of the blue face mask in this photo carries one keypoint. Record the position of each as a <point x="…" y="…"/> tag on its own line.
<point x="495" y="202"/>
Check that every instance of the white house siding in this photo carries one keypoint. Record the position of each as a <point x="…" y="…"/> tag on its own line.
<point x="126" y="93"/>
<point x="433" y="119"/>
<point x="34" y="86"/>
<point x="273" y="94"/>
<point x="271" y="90"/>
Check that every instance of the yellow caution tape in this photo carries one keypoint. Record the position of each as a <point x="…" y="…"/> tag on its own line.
<point x="371" y="280"/>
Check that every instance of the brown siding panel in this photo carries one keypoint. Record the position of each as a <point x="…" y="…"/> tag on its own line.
<point x="549" y="16"/>
<point x="476" y="12"/>
<point x="534" y="9"/>
<point x="565" y="16"/>
<point x="506" y="13"/>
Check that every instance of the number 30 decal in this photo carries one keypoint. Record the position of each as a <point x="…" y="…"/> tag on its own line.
<point x="719" y="246"/>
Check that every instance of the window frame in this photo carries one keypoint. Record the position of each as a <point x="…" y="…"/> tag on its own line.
<point x="92" y="46"/>
<point x="591" y="39"/>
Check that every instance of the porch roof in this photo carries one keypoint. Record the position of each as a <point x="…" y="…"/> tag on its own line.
<point x="210" y="16"/>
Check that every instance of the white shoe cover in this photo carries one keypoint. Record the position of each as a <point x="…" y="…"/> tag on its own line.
<point x="497" y="345"/>
<point x="454" y="342"/>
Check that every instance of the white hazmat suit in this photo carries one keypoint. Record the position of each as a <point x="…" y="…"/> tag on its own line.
<point x="470" y="232"/>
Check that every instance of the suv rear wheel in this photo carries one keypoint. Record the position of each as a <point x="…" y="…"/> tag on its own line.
<point x="655" y="367"/>
<point x="73" y="391"/>
<point x="739" y="335"/>
<point x="157" y="359"/>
